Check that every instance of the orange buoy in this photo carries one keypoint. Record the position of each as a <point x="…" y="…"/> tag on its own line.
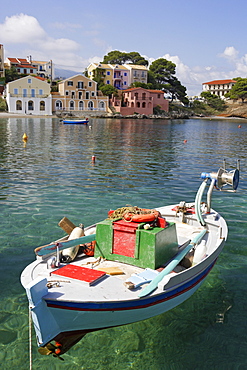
<point x="185" y="141"/>
<point x="150" y="216"/>
<point x="239" y="126"/>
<point x="93" y="158"/>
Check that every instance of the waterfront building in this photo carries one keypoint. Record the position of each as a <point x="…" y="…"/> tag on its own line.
<point x="1" y="61"/>
<point x="45" y="69"/>
<point x="29" y="95"/>
<point x="117" y="75"/>
<point x="219" y="87"/>
<point x="22" y="66"/>
<point x="138" y="73"/>
<point x="102" y="73"/>
<point x="2" y="74"/>
<point x="28" y="66"/>
<point x="78" y="93"/>
<point x="139" y="100"/>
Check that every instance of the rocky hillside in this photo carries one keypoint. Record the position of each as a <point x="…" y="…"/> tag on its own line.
<point x="235" y="109"/>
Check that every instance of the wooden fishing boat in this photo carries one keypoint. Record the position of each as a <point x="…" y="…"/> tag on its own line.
<point x="76" y="121"/>
<point x="133" y="265"/>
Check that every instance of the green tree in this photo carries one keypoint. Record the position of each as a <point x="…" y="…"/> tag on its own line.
<point x="239" y="90"/>
<point x="11" y="74"/>
<point x="142" y="84"/>
<point x="162" y="73"/>
<point x="3" y="104"/>
<point x="118" y="57"/>
<point x="213" y="101"/>
<point x="108" y="90"/>
<point x="98" y="76"/>
<point x="177" y="91"/>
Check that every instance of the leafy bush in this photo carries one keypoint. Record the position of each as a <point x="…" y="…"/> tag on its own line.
<point x="3" y="105"/>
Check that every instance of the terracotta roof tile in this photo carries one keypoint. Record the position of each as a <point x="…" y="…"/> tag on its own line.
<point x="219" y="82"/>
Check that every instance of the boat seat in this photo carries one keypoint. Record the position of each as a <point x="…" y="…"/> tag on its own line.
<point x="143" y="277"/>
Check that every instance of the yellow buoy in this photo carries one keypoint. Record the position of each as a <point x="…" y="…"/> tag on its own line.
<point x="25" y="137"/>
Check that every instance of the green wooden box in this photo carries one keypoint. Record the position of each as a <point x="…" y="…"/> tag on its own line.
<point x="129" y="242"/>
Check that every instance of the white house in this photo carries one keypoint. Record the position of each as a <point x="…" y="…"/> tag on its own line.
<point x="29" y="95"/>
<point x="218" y="87"/>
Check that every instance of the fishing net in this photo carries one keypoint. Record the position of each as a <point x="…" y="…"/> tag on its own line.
<point x="119" y="212"/>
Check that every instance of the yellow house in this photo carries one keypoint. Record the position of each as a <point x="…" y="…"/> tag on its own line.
<point x="102" y="72"/>
<point x="29" y="95"/>
<point x="77" y="94"/>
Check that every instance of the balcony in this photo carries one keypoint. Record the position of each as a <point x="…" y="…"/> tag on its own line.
<point x="30" y="96"/>
<point x="79" y="87"/>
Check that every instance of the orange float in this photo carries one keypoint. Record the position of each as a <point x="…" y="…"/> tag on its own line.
<point x="88" y="248"/>
<point x="148" y="215"/>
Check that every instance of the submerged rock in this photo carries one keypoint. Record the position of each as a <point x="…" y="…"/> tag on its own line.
<point x="7" y="336"/>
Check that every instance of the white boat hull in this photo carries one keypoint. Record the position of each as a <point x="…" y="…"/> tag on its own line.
<point x="73" y="308"/>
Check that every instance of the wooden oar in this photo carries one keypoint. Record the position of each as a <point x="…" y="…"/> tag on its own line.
<point x="154" y="283"/>
<point x="51" y="248"/>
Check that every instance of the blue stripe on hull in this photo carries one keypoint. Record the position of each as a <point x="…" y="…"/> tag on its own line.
<point x="131" y="304"/>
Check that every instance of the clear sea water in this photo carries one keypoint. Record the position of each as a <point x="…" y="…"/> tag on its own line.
<point x="139" y="162"/>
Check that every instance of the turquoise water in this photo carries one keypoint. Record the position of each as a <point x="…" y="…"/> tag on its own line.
<point x="138" y="162"/>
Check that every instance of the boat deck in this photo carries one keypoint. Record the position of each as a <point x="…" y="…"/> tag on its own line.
<point x="109" y="287"/>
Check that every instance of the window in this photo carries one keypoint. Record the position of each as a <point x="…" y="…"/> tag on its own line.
<point x="30" y="105"/>
<point x="144" y="105"/>
<point x="66" y="93"/>
<point x="73" y="95"/>
<point x="92" y="93"/>
<point x="59" y="105"/>
<point x="158" y="96"/>
<point x="24" y="93"/>
<point x="80" y="85"/>
<point x="29" y="81"/>
<point x="125" y="73"/>
<point x="70" y="83"/>
<point x="90" y="105"/>
<point x="101" y="105"/>
<point x="108" y="82"/>
<point x="81" y="105"/>
<point x="33" y="93"/>
<point x="125" y="83"/>
<point x="42" y="105"/>
<point x="89" y="84"/>
<point x="71" y="105"/>
<point x="16" y="91"/>
<point x="18" y="105"/>
<point x="87" y="95"/>
<point x="31" y="70"/>
<point x="80" y="94"/>
<point x="108" y="73"/>
<point x="41" y="92"/>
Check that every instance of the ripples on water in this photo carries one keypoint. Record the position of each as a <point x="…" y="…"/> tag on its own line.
<point x="138" y="162"/>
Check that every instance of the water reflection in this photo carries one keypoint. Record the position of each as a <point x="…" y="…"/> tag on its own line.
<point x="140" y="162"/>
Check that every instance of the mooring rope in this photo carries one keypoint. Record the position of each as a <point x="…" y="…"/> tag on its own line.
<point x="30" y="340"/>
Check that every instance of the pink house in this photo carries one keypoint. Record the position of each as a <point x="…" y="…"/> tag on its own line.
<point x="139" y="100"/>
